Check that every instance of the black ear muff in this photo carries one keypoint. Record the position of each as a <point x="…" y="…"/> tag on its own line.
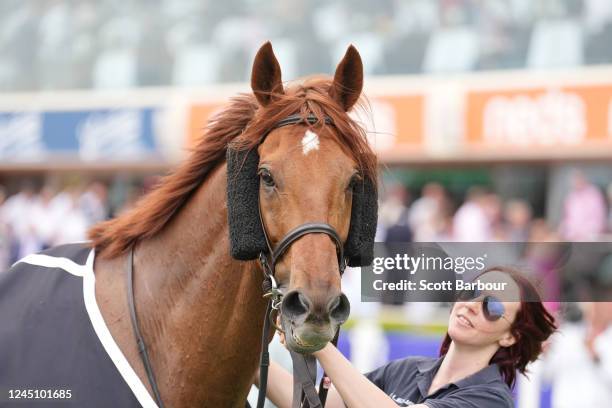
<point x="359" y="247"/>
<point x="247" y="238"/>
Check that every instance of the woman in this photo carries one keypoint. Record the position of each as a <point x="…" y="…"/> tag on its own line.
<point x="491" y="336"/>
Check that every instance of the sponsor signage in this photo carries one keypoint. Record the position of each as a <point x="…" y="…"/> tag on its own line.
<point x="86" y="135"/>
<point x="539" y="118"/>
<point x="463" y="124"/>
<point x="198" y="117"/>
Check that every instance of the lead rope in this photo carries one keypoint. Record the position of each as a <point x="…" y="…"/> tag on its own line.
<point x="274" y="295"/>
<point x="142" y="348"/>
<point x="304" y="378"/>
<point x="265" y="359"/>
<point x="304" y="391"/>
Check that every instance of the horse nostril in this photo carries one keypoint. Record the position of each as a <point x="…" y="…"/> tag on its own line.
<point x="339" y="308"/>
<point x="295" y="304"/>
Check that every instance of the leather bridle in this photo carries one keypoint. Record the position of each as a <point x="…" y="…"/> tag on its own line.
<point x="304" y="365"/>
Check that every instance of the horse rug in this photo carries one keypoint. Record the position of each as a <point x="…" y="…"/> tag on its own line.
<point x="55" y="348"/>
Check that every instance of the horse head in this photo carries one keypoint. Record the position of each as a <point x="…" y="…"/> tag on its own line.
<point x="309" y="164"/>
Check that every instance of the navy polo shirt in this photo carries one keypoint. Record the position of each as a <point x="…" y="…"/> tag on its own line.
<point x="407" y="382"/>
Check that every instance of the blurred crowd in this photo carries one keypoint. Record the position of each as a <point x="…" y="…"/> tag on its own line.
<point x="67" y="44"/>
<point x="483" y="216"/>
<point x="31" y="220"/>
<point x="38" y="217"/>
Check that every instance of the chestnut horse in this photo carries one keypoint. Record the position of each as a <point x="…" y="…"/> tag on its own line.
<point x="201" y="310"/>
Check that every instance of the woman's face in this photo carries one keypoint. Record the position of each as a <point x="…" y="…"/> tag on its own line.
<point x="468" y="325"/>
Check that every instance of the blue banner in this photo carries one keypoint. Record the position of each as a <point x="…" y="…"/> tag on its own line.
<point x="86" y="135"/>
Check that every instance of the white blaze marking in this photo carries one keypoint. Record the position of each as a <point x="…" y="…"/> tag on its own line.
<point x="310" y="141"/>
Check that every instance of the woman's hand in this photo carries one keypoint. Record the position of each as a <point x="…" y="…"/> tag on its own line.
<point x="255" y="379"/>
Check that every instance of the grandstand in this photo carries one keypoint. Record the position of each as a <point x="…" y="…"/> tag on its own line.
<point x="105" y="44"/>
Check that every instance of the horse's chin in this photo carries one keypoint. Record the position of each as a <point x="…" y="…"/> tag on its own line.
<point x="306" y="339"/>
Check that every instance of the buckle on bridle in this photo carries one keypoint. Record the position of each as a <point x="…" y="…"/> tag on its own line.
<point x="263" y="260"/>
<point x="271" y="289"/>
<point x="276" y="302"/>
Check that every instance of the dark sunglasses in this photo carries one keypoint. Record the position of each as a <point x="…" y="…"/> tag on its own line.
<point x="492" y="308"/>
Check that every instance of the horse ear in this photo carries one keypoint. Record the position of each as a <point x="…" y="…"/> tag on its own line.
<point x="266" y="75"/>
<point x="348" y="79"/>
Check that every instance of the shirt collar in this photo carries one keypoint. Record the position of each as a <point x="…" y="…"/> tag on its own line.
<point x="427" y="365"/>
<point x="428" y="368"/>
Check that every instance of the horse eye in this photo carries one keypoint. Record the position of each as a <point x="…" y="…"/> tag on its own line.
<point x="266" y="177"/>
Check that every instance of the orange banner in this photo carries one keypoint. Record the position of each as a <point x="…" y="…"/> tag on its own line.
<point x="536" y="118"/>
<point x="199" y="115"/>
<point x="408" y="117"/>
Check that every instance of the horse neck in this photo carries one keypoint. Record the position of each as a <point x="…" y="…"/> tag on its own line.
<point x="202" y="310"/>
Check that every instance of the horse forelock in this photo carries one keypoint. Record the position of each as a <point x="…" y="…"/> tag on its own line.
<point x="241" y="125"/>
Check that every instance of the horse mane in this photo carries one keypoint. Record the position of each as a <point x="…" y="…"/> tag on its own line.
<point x="239" y="126"/>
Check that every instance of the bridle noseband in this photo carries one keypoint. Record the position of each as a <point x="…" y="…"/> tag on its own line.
<point x="268" y="260"/>
<point x="304" y="366"/>
<point x="304" y="229"/>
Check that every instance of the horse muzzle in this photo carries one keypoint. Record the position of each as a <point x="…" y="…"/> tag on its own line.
<point x="310" y="326"/>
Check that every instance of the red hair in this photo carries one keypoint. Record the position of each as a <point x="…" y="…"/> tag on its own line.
<point x="532" y="325"/>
